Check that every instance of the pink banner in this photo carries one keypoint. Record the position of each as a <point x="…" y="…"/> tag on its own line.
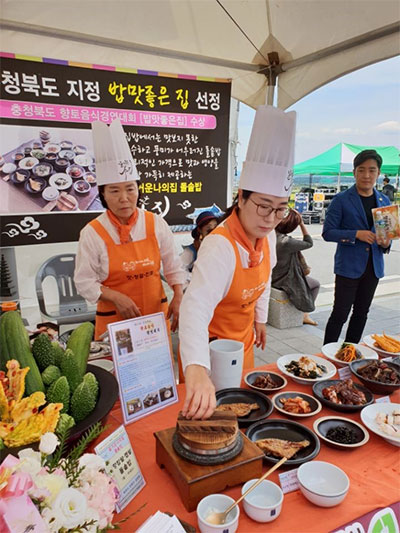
<point x="67" y="113"/>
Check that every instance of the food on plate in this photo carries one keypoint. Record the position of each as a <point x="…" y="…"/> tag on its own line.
<point x="240" y="409"/>
<point x="8" y="168"/>
<point x="61" y="181"/>
<point x="20" y="177"/>
<point x="348" y="353"/>
<point x="342" y="435"/>
<point x="295" y="405"/>
<point x="389" y="344"/>
<point x="344" y="393"/>
<point x="306" y="367"/>
<point x="66" y="202"/>
<point x="281" y="447"/>
<point x="379" y="371"/>
<point x="389" y="423"/>
<point x="95" y="347"/>
<point x="264" y="382"/>
<point x="42" y="170"/>
<point x="90" y="177"/>
<point x="75" y="171"/>
<point x="82" y="186"/>
<point x="35" y="185"/>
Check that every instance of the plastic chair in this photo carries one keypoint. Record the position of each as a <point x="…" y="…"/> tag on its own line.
<point x="72" y="307"/>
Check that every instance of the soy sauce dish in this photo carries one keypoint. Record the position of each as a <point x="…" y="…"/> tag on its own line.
<point x="340" y="432"/>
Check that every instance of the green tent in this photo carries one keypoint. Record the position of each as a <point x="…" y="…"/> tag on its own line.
<point x="338" y="160"/>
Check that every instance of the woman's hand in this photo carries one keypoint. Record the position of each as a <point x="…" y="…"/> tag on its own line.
<point x="200" y="399"/>
<point x="173" y="308"/>
<point x="126" y="307"/>
<point x="261" y="334"/>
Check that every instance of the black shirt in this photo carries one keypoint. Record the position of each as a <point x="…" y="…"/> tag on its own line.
<point x="369" y="203"/>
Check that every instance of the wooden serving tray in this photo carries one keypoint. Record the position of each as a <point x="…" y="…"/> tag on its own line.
<point x="195" y="481"/>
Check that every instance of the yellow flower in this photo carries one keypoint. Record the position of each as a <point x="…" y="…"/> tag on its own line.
<point x="53" y="483"/>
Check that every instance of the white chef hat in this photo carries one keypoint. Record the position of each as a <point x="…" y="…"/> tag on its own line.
<point x="268" y="168"/>
<point x="114" y="162"/>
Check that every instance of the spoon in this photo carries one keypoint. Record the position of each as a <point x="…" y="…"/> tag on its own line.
<point x="220" y="518"/>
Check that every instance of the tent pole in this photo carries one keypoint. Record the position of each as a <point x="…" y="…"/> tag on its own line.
<point x="338" y="183"/>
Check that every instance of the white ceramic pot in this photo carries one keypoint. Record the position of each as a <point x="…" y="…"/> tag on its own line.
<point x="322" y="483"/>
<point x="226" y="363"/>
<point x="217" y="503"/>
<point x="264" y="503"/>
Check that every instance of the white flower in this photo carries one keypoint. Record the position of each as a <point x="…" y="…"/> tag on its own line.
<point x="29" y="462"/>
<point x="48" y="443"/>
<point x="92" y="514"/>
<point x="53" y="483"/>
<point x="92" y="462"/>
<point x="70" y="507"/>
<point x="51" y="520"/>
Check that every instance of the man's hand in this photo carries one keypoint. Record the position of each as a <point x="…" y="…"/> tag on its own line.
<point x="366" y="236"/>
<point x="173" y="308"/>
<point x="126" y="307"/>
<point x="261" y="334"/>
<point x="200" y="399"/>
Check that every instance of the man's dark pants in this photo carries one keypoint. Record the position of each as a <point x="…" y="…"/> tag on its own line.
<point x="350" y="292"/>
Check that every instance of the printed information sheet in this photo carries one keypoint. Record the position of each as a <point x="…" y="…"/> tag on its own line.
<point x="143" y="364"/>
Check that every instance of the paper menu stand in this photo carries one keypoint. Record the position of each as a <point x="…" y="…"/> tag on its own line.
<point x="122" y="465"/>
<point x="143" y="365"/>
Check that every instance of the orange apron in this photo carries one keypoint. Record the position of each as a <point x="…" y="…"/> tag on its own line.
<point x="134" y="270"/>
<point x="234" y="315"/>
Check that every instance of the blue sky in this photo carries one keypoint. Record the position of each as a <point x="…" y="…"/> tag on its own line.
<point x="360" y="108"/>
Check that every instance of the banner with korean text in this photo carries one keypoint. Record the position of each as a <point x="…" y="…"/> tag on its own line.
<point x="177" y="128"/>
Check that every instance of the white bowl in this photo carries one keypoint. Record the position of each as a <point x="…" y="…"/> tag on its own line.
<point x="264" y="503"/>
<point x="369" y="413"/>
<point x="60" y="181"/>
<point x="50" y="193"/>
<point x="330" y="350"/>
<point x="103" y="363"/>
<point x="369" y="341"/>
<point x="286" y="359"/>
<point x="217" y="503"/>
<point x="323" y="484"/>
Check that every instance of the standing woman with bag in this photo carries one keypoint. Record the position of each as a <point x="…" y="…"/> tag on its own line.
<point x="291" y="272"/>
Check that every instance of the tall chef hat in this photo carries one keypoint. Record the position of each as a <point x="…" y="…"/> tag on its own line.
<point x="268" y="168"/>
<point x="114" y="162"/>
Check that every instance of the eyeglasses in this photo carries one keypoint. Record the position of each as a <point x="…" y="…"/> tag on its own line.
<point x="266" y="210"/>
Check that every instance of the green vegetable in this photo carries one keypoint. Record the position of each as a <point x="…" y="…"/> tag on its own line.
<point x="50" y="374"/>
<point x="82" y="402"/>
<point x="2" y="445"/>
<point x="70" y="369"/>
<point x="18" y="347"/>
<point x="91" y="380"/>
<point x="79" y="342"/>
<point x="64" y="422"/>
<point x="43" y="351"/>
<point x="4" y="355"/>
<point x="58" y="353"/>
<point x="59" y="392"/>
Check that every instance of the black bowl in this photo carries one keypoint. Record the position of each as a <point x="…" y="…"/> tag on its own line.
<point x="317" y="391"/>
<point x="324" y="424"/>
<point x="21" y="172"/>
<point x="275" y="428"/>
<point x="43" y="185"/>
<point x="237" y="395"/>
<point x="108" y="395"/>
<point x="279" y="381"/>
<point x="376" y="386"/>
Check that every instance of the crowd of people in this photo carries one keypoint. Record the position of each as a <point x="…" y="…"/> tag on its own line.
<point x="221" y="283"/>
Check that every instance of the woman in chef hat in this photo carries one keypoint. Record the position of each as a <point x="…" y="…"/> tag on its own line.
<point x="121" y="251"/>
<point x="228" y="295"/>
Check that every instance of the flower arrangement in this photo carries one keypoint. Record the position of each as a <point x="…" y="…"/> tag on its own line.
<point x="44" y="492"/>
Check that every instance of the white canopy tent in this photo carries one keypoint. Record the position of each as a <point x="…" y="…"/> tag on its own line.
<point x="306" y="43"/>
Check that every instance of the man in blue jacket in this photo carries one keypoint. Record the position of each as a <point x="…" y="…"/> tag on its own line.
<point x="359" y="257"/>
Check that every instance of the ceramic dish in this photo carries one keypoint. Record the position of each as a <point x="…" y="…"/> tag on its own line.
<point x="287" y="359"/>
<point x="52" y="148"/>
<point x="67" y="154"/>
<point x="369" y="341"/>
<point x="20" y="176"/>
<point x="50" y="193"/>
<point x="75" y="171"/>
<point x="79" y="149"/>
<point x="27" y="163"/>
<point x="41" y="181"/>
<point x="315" y="405"/>
<point x="368" y="415"/>
<point x="9" y="168"/>
<point x="90" y="177"/>
<point x="83" y="160"/>
<point x="322" y="425"/>
<point x="319" y="387"/>
<point x="82" y="186"/>
<point x="67" y="202"/>
<point x="99" y="350"/>
<point x="322" y="483"/>
<point x="288" y="430"/>
<point x="66" y="145"/>
<point x="279" y="380"/>
<point x="104" y="363"/>
<point x="237" y="395"/>
<point x="330" y="350"/>
<point x="61" y="181"/>
<point x="376" y="387"/>
<point x="39" y="154"/>
<point x="42" y="170"/>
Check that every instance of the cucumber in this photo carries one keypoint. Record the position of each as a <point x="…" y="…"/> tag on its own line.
<point x="79" y="342"/>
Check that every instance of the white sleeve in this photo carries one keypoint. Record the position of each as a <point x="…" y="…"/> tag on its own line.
<point x="211" y="279"/>
<point x="171" y="263"/>
<point x="187" y="261"/>
<point x="262" y="304"/>
<point x="89" y="265"/>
